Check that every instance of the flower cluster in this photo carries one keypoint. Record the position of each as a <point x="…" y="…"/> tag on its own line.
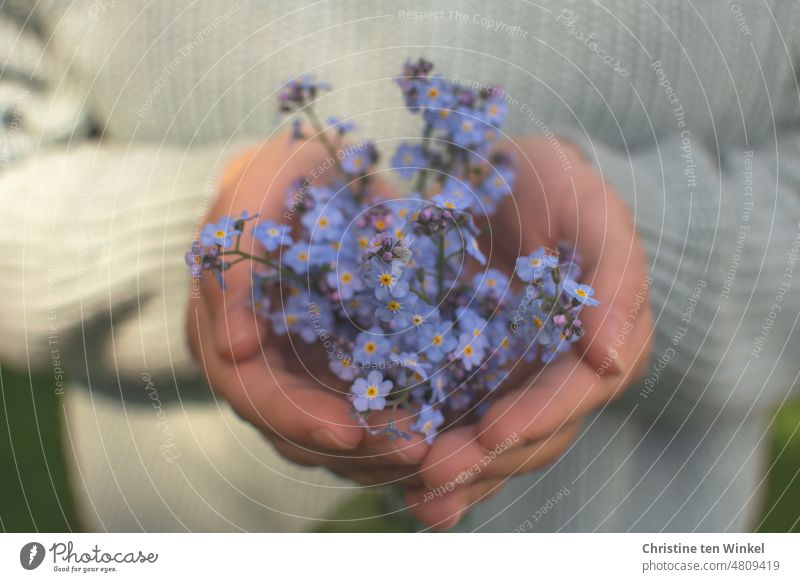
<point x="381" y="283"/>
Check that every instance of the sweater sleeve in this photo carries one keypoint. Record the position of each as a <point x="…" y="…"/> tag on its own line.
<point x="94" y="232"/>
<point x="722" y="235"/>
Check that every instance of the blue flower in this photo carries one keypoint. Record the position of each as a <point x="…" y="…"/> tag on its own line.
<point x="536" y="265"/>
<point x="345" y="281"/>
<point x="467" y="127"/>
<point x="440" y="119"/>
<point x="437" y="341"/>
<point x="380" y="275"/>
<point x="436" y="93"/>
<point x="394" y="309"/>
<point x="371" y="346"/>
<point x="219" y="233"/>
<point x="472" y="324"/>
<point x="408" y="159"/>
<point x="580" y="293"/>
<point x="344" y="368"/>
<point x="490" y="282"/>
<point x="469" y="351"/>
<point x="423" y="316"/>
<point x="370" y="394"/>
<point x="499" y="182"/>
<point x="301" y="255"/>
<point x="356" y="161"/>
<point x="323" y="222"/>
<point x="439" y="383"/>
<point x="427" y="422"/>
<point x="272" y="235"/>
<point x="495" y="110"/>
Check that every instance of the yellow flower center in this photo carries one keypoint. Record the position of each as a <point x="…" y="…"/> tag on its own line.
<point x="272" y="232"/>
<point x="537" y="322"/>
<point x="393" y="305"/>
<point x="323" y="222"/>
<point x="380" y="224"/>
<point x="417" y="319"/>
<point x="219" y="233"/>
<point x="363" y="242"/>
<point x="449" y="205"/>
<point x="370" y="347"/>
<point x="580" y="293"/>
<point x="372" y="391"/>
<point x="491" y="282"/>
<point x="291" y="319"/>
<point x="346" y="277"/>
<point x="468" y="350"/>
<point x="504" y="343"/>
<point x="427" y="427"/>
<point x="433" y="92"/>
<point x="385" y="279"/>
<point x="535" y="262"/>
<point x="437" y="340"/>
<point x="302" y="256"/>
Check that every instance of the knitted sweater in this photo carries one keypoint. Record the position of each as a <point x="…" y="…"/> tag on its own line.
<point x="115" y="118"/>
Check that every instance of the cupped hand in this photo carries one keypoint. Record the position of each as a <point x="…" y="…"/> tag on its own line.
<point x="557" y="197"/>
<point x="274" y="382"/>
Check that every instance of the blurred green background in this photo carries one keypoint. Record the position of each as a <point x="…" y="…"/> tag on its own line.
<point x="33" y="475"/>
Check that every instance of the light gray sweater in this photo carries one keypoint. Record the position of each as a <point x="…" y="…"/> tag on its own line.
<point x="689" y="109"/>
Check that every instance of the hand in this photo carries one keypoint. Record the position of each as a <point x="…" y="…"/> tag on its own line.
<point x="534" y="423"/>
<point x="268" y="380"/>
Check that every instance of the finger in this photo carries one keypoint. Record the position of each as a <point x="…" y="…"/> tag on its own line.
<point x="378" y="449"/>
<point x="257" y="182"/>
<point x="564" y="391"/>
<point x="371" y="475"/>
<point x="599" y="225"/>
<point x="458" y="458"/>
<point x="276" y="402"/>
<point x="445" y="511"/>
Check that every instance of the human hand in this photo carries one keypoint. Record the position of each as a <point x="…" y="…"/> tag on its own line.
<point x="284" y="391"/>
<point x="534" y="423"/>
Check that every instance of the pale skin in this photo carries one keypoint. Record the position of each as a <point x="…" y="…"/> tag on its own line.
<point x="541" y="414"/>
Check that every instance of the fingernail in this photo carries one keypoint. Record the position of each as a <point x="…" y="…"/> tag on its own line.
<point x="325" y="438"/>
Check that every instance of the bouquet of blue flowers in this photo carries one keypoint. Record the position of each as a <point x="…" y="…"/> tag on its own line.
<point x="396" y="292"/>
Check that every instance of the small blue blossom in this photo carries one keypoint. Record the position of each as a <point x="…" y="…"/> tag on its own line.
<point x="380" y="275"/>
<point x="580" y="293"/>
<point x="272" y="235"/>
<point x="536" y="265"/>
<point x="371" y="347"/>
<point x="408" y="160"/>
<point x="495" y="110"/>
<point x="467" y="127"/>
<point x="219" y="233"/>
<point x="394" y="309"/>
<point x="357" y="161"/>
<point x="344" y="368"/>
<point x="437" y="341"/>
<point x="490" y="282"/>
<point x="435" y="93"/>
<point x="345" y="280"/>
<point x="469" y="351"/>
<point x="370" y="394"/>
<point x="323" y="223"/>
<point x="427" y="423"/>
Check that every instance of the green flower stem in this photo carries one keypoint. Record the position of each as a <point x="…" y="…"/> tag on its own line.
<point x="263" y="261"/>
<point x="323" y="139"/>
<point x="440" y="263"/>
